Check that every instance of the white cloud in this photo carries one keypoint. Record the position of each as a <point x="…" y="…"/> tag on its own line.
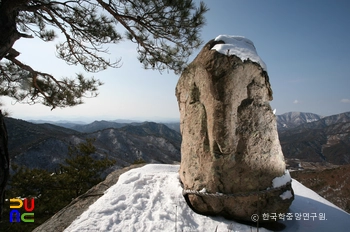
<point x="295" y="101"/>
<point x="345" y="100"/>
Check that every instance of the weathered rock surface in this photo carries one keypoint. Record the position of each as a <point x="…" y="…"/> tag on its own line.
<point x="229" y="137"/>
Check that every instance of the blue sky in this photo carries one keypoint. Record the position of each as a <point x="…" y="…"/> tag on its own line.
<point x="303" y="43"/>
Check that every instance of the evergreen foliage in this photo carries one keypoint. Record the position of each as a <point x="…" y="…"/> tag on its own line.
<point x="53" y="191"/>
<point x="81" y="170"/>
<point x="165" y="31"/>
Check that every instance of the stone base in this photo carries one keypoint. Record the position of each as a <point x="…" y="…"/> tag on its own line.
<point x="242" y="206"/>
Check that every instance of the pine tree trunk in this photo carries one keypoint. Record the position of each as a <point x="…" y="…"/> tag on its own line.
<point x="8" y="29"/>
<point x="4" y="162"/>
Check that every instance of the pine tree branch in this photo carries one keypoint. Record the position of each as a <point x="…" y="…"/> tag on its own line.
<point x="165" y="31"/>
<point x="34" y="77"/>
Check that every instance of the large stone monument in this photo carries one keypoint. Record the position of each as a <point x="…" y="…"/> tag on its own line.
<point x="231" y="159"/>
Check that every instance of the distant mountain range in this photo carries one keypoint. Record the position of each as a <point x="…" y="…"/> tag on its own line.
<point x="46" y="145"/>
<point x="101" y="125"/>
<point x="324" y="140"/>
<point x="304" y="137"/>
<point x="293" y="119"/>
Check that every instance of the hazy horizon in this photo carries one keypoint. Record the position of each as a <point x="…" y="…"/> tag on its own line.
<point x="90" y="119"/>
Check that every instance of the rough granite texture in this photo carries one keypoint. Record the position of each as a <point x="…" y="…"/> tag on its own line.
<point x="229" y="136"/>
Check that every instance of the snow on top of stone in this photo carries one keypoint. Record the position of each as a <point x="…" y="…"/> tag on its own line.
<point x="240" y="47"/>
<point x="282" y="180"/>
<point x="286" y="195"/>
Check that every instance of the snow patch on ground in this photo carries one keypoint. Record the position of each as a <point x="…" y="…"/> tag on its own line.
<point x="150" y="199"/>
